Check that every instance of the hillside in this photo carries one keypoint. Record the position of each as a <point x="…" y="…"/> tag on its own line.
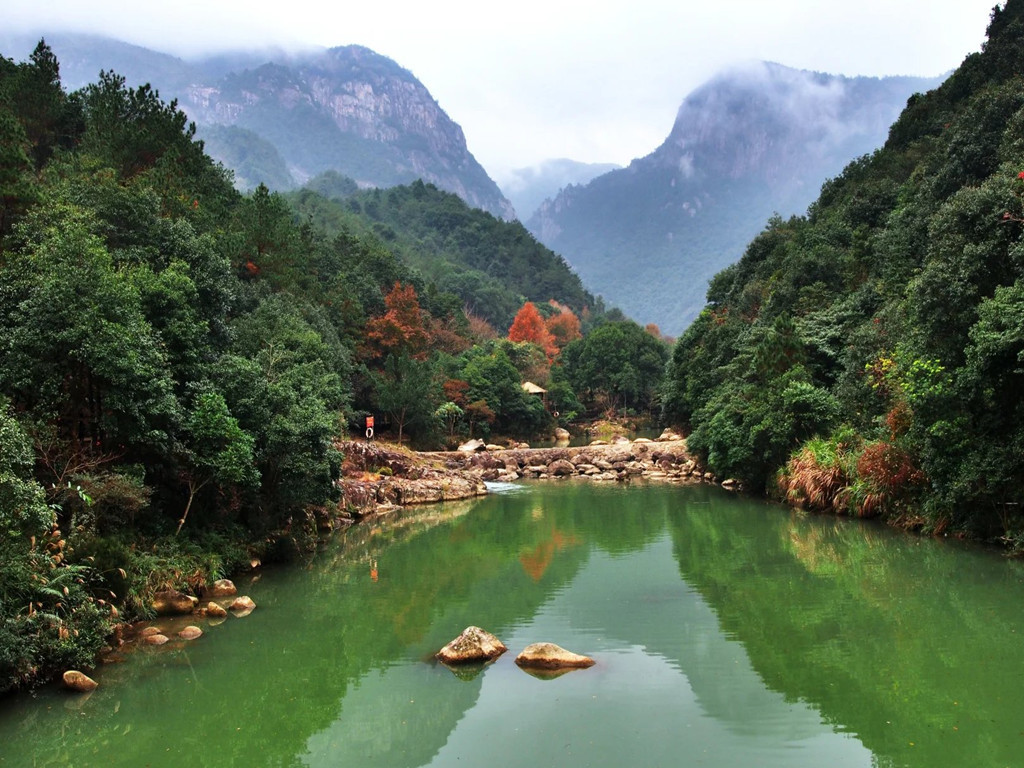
<point x="873" y="348"/>
<point x="754" y="140"/>
<point x="493" y="266"/>
<point x="346" y="109"/>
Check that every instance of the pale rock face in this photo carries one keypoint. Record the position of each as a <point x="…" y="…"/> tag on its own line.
<point x="551" y="656"/>
<point x="473" y="645"/>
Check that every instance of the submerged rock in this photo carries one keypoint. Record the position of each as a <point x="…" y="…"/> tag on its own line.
<point x="190" y="633"/>
<point x="215" y="610"/>
<point x="473" y="645"/>
<point x="551" y="656"/>
<point x="156" y="639"/>
<point x="79" y="682"/>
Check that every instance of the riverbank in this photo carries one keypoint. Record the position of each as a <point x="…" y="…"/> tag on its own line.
<point x="379" y="476"/>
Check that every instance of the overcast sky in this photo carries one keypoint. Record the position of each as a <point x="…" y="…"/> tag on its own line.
<point x="535" y="79"/>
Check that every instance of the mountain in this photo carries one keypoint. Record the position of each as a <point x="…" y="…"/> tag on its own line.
<point x="754" y="140"/>
<point x="346" y="109"/>
<point x="527" y="188"/>
<point x="873" y="348"/>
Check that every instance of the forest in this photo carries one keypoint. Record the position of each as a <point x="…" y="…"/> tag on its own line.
<point x="867" y="359"/>
<point x="178" y="361"/>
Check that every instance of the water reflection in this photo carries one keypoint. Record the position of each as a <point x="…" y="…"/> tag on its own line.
<point x="727" y="632"/>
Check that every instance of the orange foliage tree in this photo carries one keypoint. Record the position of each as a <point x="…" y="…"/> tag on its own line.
<point x="529" y="326"/>
<point x="564" y="327"/>
<point x="400" y="328"/>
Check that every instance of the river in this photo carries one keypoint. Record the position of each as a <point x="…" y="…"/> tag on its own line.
<point x="727" y="632"/>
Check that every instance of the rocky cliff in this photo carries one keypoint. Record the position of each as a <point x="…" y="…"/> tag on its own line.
<point x="345" y="109"/>
<point x="753" y="141"/>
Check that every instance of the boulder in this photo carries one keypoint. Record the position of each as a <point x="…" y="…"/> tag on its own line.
<point x="561" y="468"/>
<point x="551" y="656"/>
<point x="79" y="682"/>
<point x="170" y="602"/>
<point x="562" y="434"/>
<point x="156" y="639"/>
<point x="473" y="645"/>
<point x="471" y="446"/>
<point x="494" y="447"/>
<point x="190" y="633"/>
<point x="215" y="610"/>
<point x="242" y="604"/>
<point x="147" y="631"/>
<point x="221" y="588"/>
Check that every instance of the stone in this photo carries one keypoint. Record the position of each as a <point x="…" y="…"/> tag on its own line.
<point x="473" y="645"/>
<point x="215" y="610"/>
<point x="79" y="682"/>
<point x="494" y="447"/>
<point x="190" y="633"/>
<point x="147" y="631"/>
<point x="562" y="434"/>
<point x="243" y="603"/>
<point x="221" y="588"/>
<point x="471" y="446"/>
<point x="156" y="639"/>
<point x="551" y="656"/>
<point x="170" y="602"/>
<point x="561" y="468"/>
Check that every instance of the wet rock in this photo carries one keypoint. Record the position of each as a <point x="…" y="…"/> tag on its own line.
<point x="216" y="611"/>
<point x="147" y="631"/>
<point x="221" y="588"/>
<point x="242" y="604"/>
<point x="171" y="602"/>
<point x="156" y="639"/>
<point x="561" y="468"/>
<point x="79" y="682"/>
<point x="551" y="656"/>
<point x="473" y="645"/>
<point x="190" y="633"/>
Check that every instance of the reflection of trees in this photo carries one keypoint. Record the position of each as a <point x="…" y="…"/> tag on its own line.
<point x="896" y="639"/>
<point x="289" y="670"/>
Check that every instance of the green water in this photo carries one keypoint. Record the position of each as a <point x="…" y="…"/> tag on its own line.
<point x="727" y="632"/>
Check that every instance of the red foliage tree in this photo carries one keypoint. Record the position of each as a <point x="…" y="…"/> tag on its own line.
<point x="564" y="327"/>
<point x="400" y="328"/>
<point x="529" y="326"/>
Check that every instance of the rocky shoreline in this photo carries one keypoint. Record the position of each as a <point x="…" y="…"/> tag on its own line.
<point x="378" y="476"/>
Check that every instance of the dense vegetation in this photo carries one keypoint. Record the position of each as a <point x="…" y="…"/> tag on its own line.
<point x="871" y="350"/>
<point x="178" y="361"/>
<point x="490" y="264"/>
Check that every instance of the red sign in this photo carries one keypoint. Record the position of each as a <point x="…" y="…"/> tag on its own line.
<point x="369" y="422"/>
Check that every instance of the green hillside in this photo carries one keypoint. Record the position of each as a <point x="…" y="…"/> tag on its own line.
<point x="490" y="264"/>
<point x="875" y="347"/>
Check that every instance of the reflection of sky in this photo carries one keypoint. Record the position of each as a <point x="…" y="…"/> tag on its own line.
<point x="668" y="688"/>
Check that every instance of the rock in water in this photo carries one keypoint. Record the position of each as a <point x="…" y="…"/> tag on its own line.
<point x="190" y="633"/>
<point x="551" y="656"/>
<point x="474" y="644"/>
<point x="79" y="681"/>
<point x="221" y="588"/>
<point x="243" y="605"/>
<point x="155" y="639"/>
<point x="215" y="610"/>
